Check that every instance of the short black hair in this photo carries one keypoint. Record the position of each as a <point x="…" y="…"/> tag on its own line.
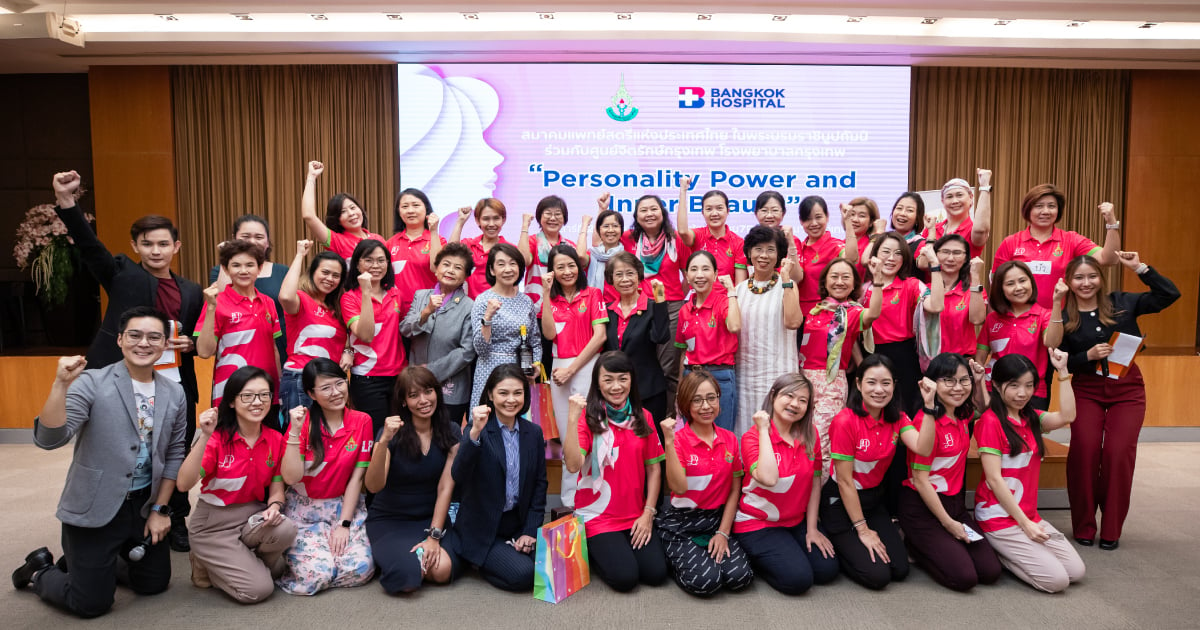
<point x="232" y="248"/>
<point x="144" y="311"/>
<point x="551" y="201"/>
<point x="152" y="222"/>
<point x="254" y="218"/>
<point x="762" y="235"/>
<point x="458" y="250"/>
<point x="508" y="250"/>
<point x="398" y="223"/>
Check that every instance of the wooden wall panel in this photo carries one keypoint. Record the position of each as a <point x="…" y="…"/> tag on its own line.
<point x="24" y="384"/>
<point x="1159" y="220"/>
<point x="133" y="148"/>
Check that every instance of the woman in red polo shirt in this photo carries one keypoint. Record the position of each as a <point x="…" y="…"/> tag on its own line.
<point x="1017" y="324"/>
<point x="490" y="215"/>
<point x="237" y="540"/>
<point x="958" y="200"/>
<point x="663" y="254"/>
<point x="345" y="222"/>
<point x="326" y="454"/>
<point x="938" y="528"/>
<point x="714" y="238"/>
<point x="776" y="521"/>
<point x="863" y="441"/>
<point x="371" y="310"/>
<point x="1010" y="452"/>
<point x="964" y="303"/>
<point x="1045" y="249"/>
<point x="415" y="245"/>
<point x="573" y="321"/>
<point x="615" y="451"/>
<point x="551" y="216"/>
<point x="238" y="324"/>
<point x="708" y="330"/>
<point x="861" y="222"/>
<point x="314" y="320"/>
<point x="703" y="470"/>
<point x="816" y="251"/>
<point x="908" y="219"/>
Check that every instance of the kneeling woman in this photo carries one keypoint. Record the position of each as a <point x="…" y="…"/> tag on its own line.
<point x="863" y="440"/>
<point x="1010" y="452"/>
<point x="327" y="451"/>
<point x="615" y="450"/>
<point x="410" y="476"/>
<point x="500" y="471"/>
<point x="703" y="470"/>
<point x="933" y="509"/>
<point x="777" y="518"/>
<point x="237" y="541"/>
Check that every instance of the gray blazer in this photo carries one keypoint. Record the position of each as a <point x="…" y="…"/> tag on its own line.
<point x="443" y="344"/>
<point x="102" y="416"/>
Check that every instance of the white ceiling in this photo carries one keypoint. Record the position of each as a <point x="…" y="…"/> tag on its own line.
<point x="124" y="33"/>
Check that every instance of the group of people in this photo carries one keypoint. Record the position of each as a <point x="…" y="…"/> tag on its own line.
<point x="807" y="402"/>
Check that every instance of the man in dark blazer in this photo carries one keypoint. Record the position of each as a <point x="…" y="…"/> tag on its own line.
<point x="149" y="282"/>
<point x="497" y="540"/>
<point x="129" y="423"/>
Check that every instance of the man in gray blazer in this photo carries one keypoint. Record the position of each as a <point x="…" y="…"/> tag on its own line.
<point x="129" y="425"/>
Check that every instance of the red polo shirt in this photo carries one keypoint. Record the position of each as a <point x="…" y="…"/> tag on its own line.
<point x="867" y="442"/>
<point x="246" y="328"/>
<point x="670" y="272"/>
<point x="410" y="263"/>
<point x="814" y="339"/>
<point x="964" y="230"/>
<point x="784" y="504"/>
<point x="728" y="249"/>
<point x="813" y="259"/>
<point x="900" y="300"/>
<point x="234" y="472"/>
<point x="1021" y="472"/>
<point x="958" y="333"/>
<point x="710" y="469"/>
<point x="343" y="243"/>
<point x="1048" y="260"/>
<point x="622" y="498"/>
<point x="345" y="450"/>
<point x="1005" y="334"/>
<point x="477" y="282"/>
<point x="947" y="463"/>
<point x="574" y="319"/>
<point x="314" y="331"/>
<point x="702" y="332"/>
<point x="384" y="356"/>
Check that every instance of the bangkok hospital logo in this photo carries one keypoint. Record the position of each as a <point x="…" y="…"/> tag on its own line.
<point x="622" y="109"/>
<point x="691" y="97"/>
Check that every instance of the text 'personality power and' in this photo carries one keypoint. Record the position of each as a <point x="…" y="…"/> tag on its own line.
<point x="668" y="178"/>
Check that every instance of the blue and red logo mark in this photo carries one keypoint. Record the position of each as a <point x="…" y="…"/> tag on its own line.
<point x="691" y="97"/>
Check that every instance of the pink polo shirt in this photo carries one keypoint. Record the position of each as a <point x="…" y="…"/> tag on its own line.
<point x="728" y="249"/>
<point x="343" y="243"/>
<point x="1048" y="260"/>
<point x="477" y="282"/>
<point x="1005" y="334"/>
<point x="246" y="328"/>
<point x="702" y="332"/>
<point x="384" y="356"/>
<point x="233" y="472"/>
<point x="958" y="333"/>
<point x="670" y="271"/>
<point x="900" y="299"/>
<point x="410" y="263"/>
<point x="813" y="259"/>
<point x="867" y="442"/>
<point x="314" y="331"/>
<point x="1021" y="472"/>
<point x="573" y="321"/>
<point x="964" y="230"/>
<point x="622" y="498"/>
<point x="786" y="503"/>
<point x="814" y="339"/>
<point x="710" y="469"/>
<point x="947" y="463"/>
<point x="345" y="450"/>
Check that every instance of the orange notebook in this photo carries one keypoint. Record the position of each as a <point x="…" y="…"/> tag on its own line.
<point x="1125" y="350"/>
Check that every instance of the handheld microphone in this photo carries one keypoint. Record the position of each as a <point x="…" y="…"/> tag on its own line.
<point x="138" y="551"/>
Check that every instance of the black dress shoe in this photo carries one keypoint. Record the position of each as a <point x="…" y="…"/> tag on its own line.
<point x="1085" y="542"/>
<point x="37" y="560"/>
<point x="177" y="538"/>
<point x="1109" y="545"/>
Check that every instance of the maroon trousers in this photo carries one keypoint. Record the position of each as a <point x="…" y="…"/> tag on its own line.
<point x="1104" y="440"/>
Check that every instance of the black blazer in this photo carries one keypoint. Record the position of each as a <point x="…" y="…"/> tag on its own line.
<point x="646" y="330"/>
<point x="128" y="284"/>
<point x="478" y="473"/>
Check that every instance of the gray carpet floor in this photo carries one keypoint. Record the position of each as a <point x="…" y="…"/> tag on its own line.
<point x="1152" y="581"/>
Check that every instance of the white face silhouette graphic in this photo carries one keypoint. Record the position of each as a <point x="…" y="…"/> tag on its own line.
<point x="442" y="148"/>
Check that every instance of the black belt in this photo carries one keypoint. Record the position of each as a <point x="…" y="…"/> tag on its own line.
<point x="138" y="495"/>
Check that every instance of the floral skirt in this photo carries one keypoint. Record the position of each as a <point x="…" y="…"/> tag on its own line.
<point x="828" y="400"/>
<point x="311" y="565"/>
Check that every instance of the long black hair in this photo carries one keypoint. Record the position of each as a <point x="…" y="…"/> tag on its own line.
<point x="945" y="365"/>
<point x="562" y="249"/>
<point x="667" y="228"/>
<point x="891" y="412"/>
<point x="227" y="423"/>
<point x="501" y="373"/>
<point x="333" y="212"/>
<point x="408" y="443"/>
<point x="906" y="254"/>
<point x="319" y="366"/>
<point x="1008" y="369"/>
<point x="614" y="362"/>
<point x="333" y="301"/>
<point x="366" y="247"/>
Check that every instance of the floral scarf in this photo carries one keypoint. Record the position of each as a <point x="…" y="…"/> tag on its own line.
<point x="603" y="451"/>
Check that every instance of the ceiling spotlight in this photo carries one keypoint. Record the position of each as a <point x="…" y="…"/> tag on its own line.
<point x="1076" y="23"/>
<point x="394" y="16"/>
<point x="470" y="16"/>
<point x="928" y="21"/>
<point x="855" y="19"/>
<point x="245" y="17"/>
<point x="1149" y="25"/>
<point x="545" y="16"/>
<point x="624" y="16"/>
<point x="779" y="18"/>
<point x="167" y="17"/>
<point x="320" y="17"/>
<point x="704" y="17"/>
<point x="1003" y="22"/>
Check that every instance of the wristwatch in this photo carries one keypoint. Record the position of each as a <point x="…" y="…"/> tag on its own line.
<point x="345" y="523"/>
<point x="435" y="533"/>
<point x="162" y="509"/>
<point x="789" y="284"/>
<point x="977" y="288"/>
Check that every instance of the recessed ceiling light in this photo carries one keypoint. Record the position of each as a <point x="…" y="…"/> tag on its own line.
<point x="545" y="16"/>
<point x="394" y="16"/>
<point x="1149" y="25"/>
<point x="320" y="17"/>
<point x="779" y="18"/>
<point x="245" y="17"/>
<point x="856" y="18"/>
<point x="928" y="21"/>
<point x="704" y="17"/>
<point x="624" y="16"/>
<point x="1076" y="23"/>
<point x="1003" y="22"/>
<point x="166" y="17"/>
<point x="470" y="16"/>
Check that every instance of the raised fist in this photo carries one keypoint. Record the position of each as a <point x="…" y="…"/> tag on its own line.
<point x="211" y="293"/>
<point x="315" y="169"/>
<point x="391" y="425"/>
<point x="69" y="368"/>
<point x="983" y="176"/>
<point x="762" y="419"/>
<point x="207" y="421"/>
<point x="303" y="247"/>
<point x="1106" y="211"/>
<point x="66" y="184"/>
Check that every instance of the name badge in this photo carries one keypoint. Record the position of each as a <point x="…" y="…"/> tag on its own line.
<point x="1039" y="267"/>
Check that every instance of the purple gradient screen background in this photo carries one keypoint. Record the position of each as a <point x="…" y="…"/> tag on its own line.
<point x="516" y="131"/>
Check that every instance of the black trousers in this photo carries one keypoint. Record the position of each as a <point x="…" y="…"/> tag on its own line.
<point x="950" y="562"/>
<point x="372" y="395"/>
<point x="95" y="558"/>
<point x="852" y="554"/>
<point x="686" y="533"/>
<point x="180" y="506"/>
<point x="780" y="555"/>
<point x="619" y="565"/>
<point x="505" y="567"/>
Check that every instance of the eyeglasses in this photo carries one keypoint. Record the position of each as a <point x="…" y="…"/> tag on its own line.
<point x="136" y="336"/>
<point x="890" y="253"/>
<point x="770" y="210"/>
<point x="373" y="262"/>
<point x="711" y="401"/>
<point x="335" y="386"/>
<point x="950" y="382"/>
<point x="764" y="251"/>
<point x="249" y="397"/>
<point x="953" y="253"/>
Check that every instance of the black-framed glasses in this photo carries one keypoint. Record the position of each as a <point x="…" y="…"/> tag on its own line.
<point x="950" y="382"/>
<point x="249" y="397"/>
